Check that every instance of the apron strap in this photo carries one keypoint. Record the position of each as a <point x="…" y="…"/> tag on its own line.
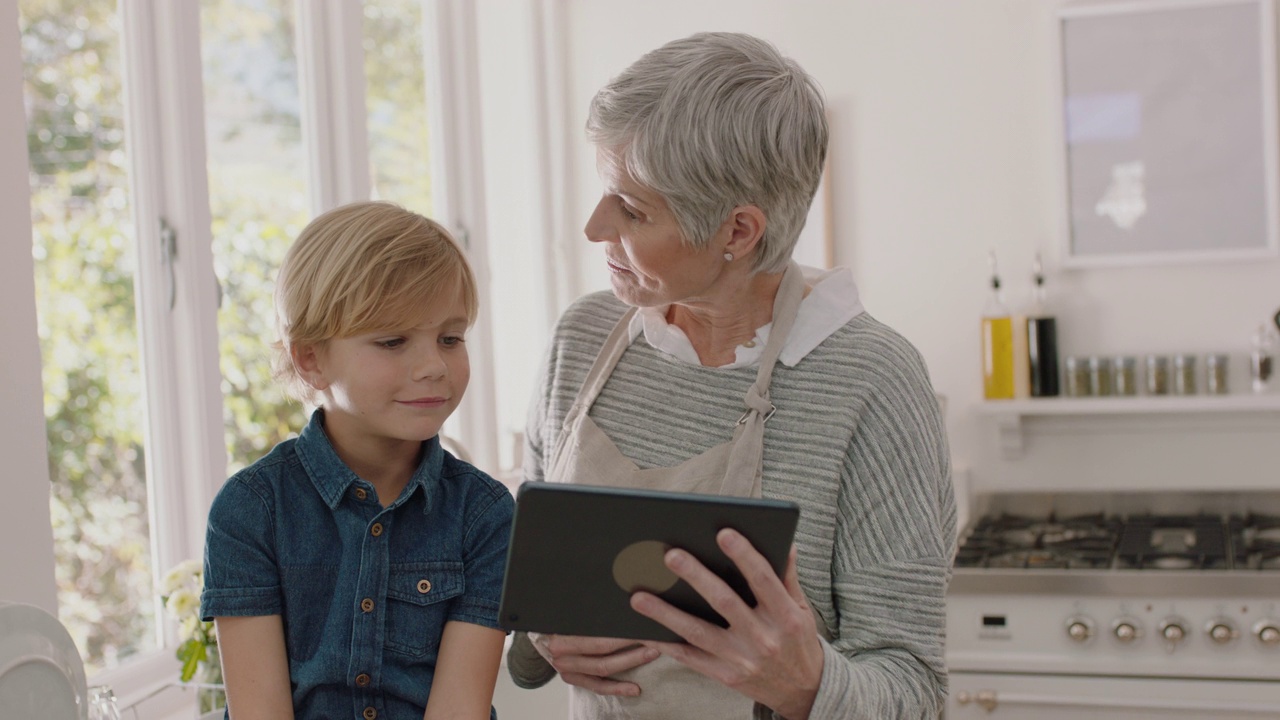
<point x="786" y="305"/>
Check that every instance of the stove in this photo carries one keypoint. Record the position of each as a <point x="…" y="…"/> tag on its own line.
<point x="1125" y="606"/>
<point x="1138" y="542"/>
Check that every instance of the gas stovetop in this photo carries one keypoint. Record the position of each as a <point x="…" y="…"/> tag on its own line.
<point x="1005" y="541"/>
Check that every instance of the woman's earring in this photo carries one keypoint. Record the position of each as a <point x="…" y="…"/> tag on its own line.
<point x="728" y="256"/>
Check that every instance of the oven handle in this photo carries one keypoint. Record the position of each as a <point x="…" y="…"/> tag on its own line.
<point x="990" y="699"/>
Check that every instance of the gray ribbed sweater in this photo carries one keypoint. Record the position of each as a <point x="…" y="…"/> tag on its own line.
<point x="857" y="442"/>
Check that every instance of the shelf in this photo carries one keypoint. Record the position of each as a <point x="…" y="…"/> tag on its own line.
<point x="1008" y="414"/>
<point x="1136" y="405"/>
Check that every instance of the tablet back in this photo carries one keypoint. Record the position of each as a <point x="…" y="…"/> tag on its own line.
<point x="578" y="552"/>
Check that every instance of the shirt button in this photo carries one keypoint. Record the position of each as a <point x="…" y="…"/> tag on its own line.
<point x="366" y="605"/>
<point x="369" y="713"/>
<point x="424" y="586"/>
<point x="750" y="343"/>
<point x="361" y="493"/>
<point x="376" y="530"/>
<point x="363" y="681"/>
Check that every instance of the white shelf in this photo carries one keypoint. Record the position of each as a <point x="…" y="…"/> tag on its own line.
<point x="1009" y="414"/>
<point x="1135" y="405"/>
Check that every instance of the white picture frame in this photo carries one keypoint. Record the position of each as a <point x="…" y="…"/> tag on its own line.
<point x="1167" y="125"/>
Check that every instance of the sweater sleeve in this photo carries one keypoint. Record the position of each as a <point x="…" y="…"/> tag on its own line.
<point x="895" y="539"/>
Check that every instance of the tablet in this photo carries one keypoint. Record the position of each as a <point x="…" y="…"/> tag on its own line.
<point x="578" y="552"/>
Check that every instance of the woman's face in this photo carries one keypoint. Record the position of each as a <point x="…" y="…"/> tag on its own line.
<point x="649" y="263"/>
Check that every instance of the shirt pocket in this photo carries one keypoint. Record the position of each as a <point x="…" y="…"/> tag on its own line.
<point x="418" y="602"/>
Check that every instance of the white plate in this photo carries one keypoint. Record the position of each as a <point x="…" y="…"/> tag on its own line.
<point x="41" y="673"/>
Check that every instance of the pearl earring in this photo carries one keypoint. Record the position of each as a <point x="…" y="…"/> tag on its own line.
<point x="728" y="256"/>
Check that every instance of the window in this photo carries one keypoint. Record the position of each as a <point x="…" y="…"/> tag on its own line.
<point x="258" y="204"/>
<point x="85" y="274"/>
<point x="156" y="243"/>
<point x="396" y="87"/>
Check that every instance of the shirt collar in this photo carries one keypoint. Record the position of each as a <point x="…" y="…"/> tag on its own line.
<point x="832" y="301"/>
<point x="332" y="478"/>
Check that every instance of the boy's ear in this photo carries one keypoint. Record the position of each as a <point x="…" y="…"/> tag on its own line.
<point x="306" y="359"/>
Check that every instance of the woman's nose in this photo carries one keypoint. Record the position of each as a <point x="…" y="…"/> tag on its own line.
<point x="598" y="227"/>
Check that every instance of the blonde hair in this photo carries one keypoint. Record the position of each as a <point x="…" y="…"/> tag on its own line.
<point x="360" y="268"/>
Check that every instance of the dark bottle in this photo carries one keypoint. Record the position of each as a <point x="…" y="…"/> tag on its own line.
<point x="1042" y="340"/>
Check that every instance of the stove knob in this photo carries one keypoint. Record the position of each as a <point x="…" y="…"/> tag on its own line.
<point x="1125" y="631"/>
<point x="1173" y="631"/>
<point x="1221" y="632"/>
<point x="1268" y="632"/>
<point x="1080" y="629"/>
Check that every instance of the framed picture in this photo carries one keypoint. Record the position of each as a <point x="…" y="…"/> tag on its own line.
<point x="1168" y="127"/>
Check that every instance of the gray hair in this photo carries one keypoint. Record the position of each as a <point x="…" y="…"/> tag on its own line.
<point x="714" y="121"/>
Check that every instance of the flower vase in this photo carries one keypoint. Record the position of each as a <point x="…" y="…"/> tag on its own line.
<point x="210" y="692"/>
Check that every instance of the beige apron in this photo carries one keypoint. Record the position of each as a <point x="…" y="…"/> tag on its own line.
<point x="585" y="454"/>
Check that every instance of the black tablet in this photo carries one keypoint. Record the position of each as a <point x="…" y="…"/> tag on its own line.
<point x="578" y="552"/>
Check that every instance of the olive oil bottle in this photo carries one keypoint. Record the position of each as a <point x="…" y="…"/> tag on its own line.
<point x="1042" y="339"/>
<point x="997" y="343"/>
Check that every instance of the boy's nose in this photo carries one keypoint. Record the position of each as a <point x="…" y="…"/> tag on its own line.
<point x="430" y="365"/>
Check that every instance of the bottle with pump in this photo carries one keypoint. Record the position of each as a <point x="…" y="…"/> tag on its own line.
<point x="1042" y="339"/>
<point x="997" y="343"/>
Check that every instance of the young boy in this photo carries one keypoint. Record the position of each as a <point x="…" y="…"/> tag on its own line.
<point x="355" y="571"/>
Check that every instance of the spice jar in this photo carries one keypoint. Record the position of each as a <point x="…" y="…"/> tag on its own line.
<point x="1215" y="373"/>
<point x="1077" y="377"/>
<point x="1157" y="375"/>
<point x="1124" y="375"/>
<point x="1184" y="374"/>
<point x="1100" y="375"/>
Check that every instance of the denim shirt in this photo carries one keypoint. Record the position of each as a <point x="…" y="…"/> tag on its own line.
<point x="364" y="591"/>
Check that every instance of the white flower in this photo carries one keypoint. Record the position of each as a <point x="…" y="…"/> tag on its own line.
<point x="172" y="580"/>
<point x="188" y="574"/>
<point x="182" y="603"/>
<point x="187" y="628"/>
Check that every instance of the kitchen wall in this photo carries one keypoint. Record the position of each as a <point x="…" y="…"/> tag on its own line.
<point x="943" y="147"/>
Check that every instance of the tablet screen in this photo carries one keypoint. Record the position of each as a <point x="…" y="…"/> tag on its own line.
<point x="578" y="552"/>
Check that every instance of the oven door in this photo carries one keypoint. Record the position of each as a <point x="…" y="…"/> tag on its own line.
<point x="1063" y="697"/>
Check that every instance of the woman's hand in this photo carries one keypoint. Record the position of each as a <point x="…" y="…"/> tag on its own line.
<point x="588" y="662"/>
<point x="770" y="653"/>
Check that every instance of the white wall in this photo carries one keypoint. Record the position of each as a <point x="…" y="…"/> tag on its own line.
<point x="942" y="148"/>
<point x="26" y="537"/>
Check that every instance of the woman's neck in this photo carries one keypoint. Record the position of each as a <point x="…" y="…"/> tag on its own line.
<point x="718" y="324"/>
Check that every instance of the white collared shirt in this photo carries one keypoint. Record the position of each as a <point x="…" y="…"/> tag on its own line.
<point x="832" y="301"/>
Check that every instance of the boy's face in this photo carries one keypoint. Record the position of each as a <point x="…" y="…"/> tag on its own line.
<point x="400" y="385"/>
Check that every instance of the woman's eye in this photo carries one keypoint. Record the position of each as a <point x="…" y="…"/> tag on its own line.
<point x="628" y="212"/>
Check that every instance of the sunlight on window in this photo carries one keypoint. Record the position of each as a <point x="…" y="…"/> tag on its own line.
<point x="85" y="269"/>
<point x="257" y="194"/>
<point x="396" y="95"/>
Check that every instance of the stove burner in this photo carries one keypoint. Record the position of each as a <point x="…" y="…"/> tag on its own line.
<point x="1138" y="542"/>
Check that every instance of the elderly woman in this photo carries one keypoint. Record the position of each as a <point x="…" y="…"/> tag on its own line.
<point x="718" y="365"/>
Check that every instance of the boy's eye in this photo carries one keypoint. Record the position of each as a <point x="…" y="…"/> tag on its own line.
<point x="391" y="343"/>
<point x="452" y="340"/>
